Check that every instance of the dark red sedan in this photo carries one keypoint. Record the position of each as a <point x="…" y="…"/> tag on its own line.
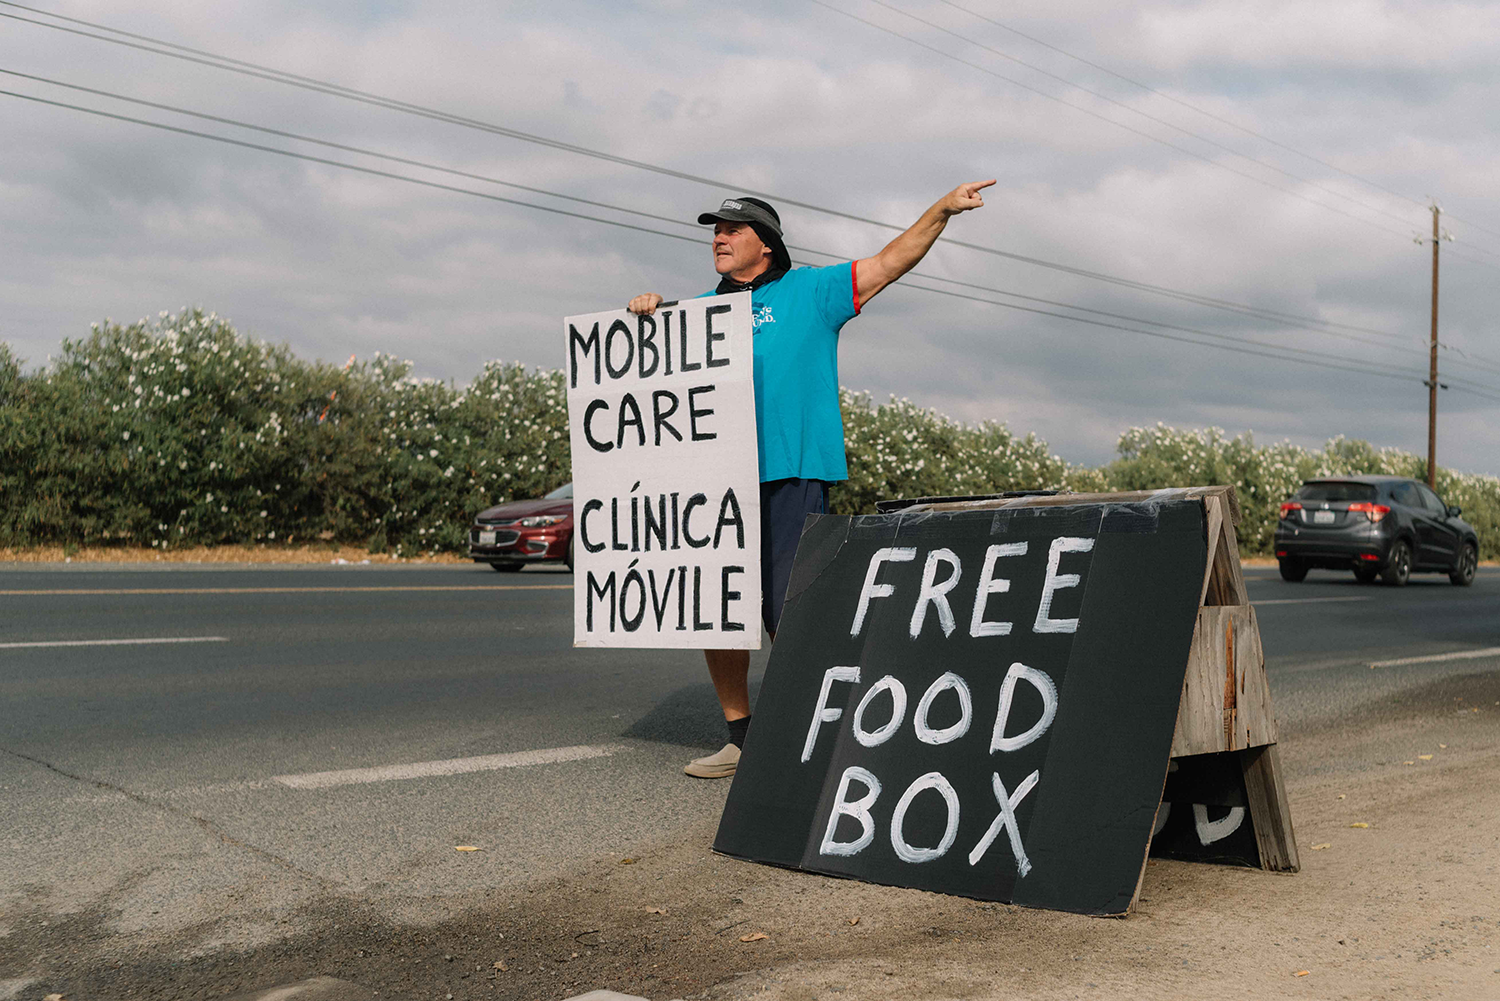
<point x="509" y="536"/>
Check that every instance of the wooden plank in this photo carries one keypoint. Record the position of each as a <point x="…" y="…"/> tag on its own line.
<point x="1198" y="713"/>
<point x="1232" y="503"/>
<point x="1256" y="719"/>
<point x="1213" y="512"/>
<point x="1226" y="585"/>
<point x="1227" y="567"/>
<point x="1063" y="500"/>
<point x="1135" y="898"/>
<point x="1226" y="699"/>
<point x="1265" y="794"/>
<point x="1231" y="684"/>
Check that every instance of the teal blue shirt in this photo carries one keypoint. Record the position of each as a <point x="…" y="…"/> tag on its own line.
<point x="800" y="431"/>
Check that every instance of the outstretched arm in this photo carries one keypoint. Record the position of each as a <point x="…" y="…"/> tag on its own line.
<point x="902" y="254"/>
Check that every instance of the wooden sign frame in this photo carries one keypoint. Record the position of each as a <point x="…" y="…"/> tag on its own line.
<point x="1226" y="700"/>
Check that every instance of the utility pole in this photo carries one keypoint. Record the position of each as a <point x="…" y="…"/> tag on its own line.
<point x="1432" y="382"/>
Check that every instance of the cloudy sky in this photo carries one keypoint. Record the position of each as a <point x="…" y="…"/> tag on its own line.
<point x="1272" y="155"/>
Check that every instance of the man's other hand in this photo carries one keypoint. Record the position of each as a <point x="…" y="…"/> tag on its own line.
<point x="647" y="303"/>
<point x="963" y="198"/>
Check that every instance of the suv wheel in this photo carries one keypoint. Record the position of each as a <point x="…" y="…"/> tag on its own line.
<point x="1468" y="563"/>
<point x="1292" y="570"/>
<point x="1398" y="569"/>
<point x="1366" y="575"/>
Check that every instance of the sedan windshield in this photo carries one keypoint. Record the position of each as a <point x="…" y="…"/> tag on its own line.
<point x="1336" y="492"/>
<point x="564" y="492"/>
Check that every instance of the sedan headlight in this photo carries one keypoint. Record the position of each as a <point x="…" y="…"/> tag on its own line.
<point x="541" y="520"/>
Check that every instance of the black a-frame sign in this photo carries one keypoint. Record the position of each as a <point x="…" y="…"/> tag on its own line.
<point x="989" y="697"/>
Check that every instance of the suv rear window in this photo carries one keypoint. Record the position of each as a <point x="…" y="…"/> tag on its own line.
<point x="1336" y="492"/>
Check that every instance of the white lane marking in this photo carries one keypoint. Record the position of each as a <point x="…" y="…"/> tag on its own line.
<point x="1493" y="651"/>
<point x="451" y="766"/>
<point x="139" y="642"/>
<point x="1309" y="601"/>
<point x="289" y="590"/>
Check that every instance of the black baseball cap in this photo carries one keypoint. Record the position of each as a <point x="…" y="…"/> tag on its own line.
<point x="761" y="217"/>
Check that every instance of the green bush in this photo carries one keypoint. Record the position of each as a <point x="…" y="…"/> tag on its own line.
<point x="1265" y="475"/>
<point x="901" y="450"/>
<point x="181" y="432"/>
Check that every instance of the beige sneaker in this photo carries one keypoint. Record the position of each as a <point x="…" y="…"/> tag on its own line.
<point x="719" y="765"/>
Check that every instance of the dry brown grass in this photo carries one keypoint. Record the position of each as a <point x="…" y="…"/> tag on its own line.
<point x="320" y="553"/>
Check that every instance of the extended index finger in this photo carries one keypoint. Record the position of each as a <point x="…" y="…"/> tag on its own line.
<point x="980" y="185"/>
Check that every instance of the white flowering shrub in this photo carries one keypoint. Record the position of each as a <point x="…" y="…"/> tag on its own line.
<point x="180" y="431"/>
<point x="175" y="431"/>
<point x="1265" y="475"/>
<point x="443" y="454"/>
<point x="901" y="450"/>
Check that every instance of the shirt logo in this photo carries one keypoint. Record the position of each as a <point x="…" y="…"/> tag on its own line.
<point x="762" y="314"/>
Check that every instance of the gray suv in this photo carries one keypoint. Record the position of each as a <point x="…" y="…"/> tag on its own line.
<point x="1377" y="526"/>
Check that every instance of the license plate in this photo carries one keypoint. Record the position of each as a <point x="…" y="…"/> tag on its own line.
<point x="1322" y="517"/>
<point x="486" y="538"/>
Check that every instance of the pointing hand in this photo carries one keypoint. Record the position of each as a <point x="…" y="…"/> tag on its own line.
<point x="965" y="197"/>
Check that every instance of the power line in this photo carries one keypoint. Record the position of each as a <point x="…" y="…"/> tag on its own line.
<point x="346" y="148"/>
<point x="1185" y="340"/>
<point x="283" y="76"/>
<point x="617" y="208"/>
<point x="1209" y="114"/>
<point x="1123" y="316"/>
<point x="1475" y="225"/>
<point x="1191" y="107"/>
<point x="349" y="166"/>
<point x="1163" y="325"/>
<point x="1465" y="389"/>
<point x="1105" y="118"/>
<point x="271" y="74"/>
<point x="1252" y="347"/>
<point x="1456" y="256"/>
<point x="1476" y="247"/>
<point x="1134" y="110"/>
<point x="1157" y="323"/>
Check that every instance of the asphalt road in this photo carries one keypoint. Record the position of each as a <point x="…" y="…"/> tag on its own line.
<point x="303" y="741"/>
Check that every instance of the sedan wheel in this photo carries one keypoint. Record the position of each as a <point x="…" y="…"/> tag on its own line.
<point x="1398" y="571"/>
<point x="1365" y="576"/>
<point x="1468" y="564"/>
<point x="1292" y="570"/>
<point x="569" y="560"/>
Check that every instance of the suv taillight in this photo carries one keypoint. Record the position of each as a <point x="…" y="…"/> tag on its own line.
<point x="1289" y="507"/>
<point x="1374" y="512"/>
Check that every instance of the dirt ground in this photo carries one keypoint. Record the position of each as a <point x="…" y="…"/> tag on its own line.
<point x="1408" y="907"/>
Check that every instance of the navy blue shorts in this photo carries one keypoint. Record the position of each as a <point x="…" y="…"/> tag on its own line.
<point x="784" y="507"/>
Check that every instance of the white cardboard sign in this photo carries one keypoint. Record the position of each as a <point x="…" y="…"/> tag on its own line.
<point x="666" y="482"/>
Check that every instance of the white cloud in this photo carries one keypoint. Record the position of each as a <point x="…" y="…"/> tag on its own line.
<point x="1339" y="34"/>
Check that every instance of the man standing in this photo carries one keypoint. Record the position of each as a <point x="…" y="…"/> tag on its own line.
<point x="797" y="314"/>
